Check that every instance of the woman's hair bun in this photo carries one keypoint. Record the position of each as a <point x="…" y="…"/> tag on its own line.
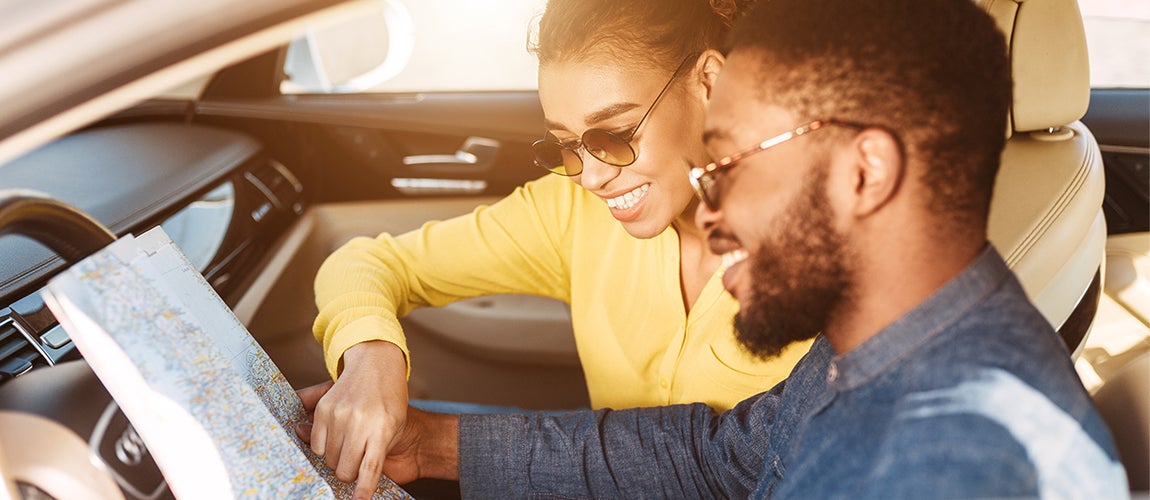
<point x="730" y="10"/>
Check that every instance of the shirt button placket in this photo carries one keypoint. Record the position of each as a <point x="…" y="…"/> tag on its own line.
<point x="832" y="373"/>
<point x="670" y="364"/>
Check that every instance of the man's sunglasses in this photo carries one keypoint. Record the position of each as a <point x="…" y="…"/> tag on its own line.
<point x="606" y="146"/>
<point x="704" y="179"/>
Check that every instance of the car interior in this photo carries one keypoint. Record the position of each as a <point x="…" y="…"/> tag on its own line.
<point x="1046" y="213"/>
<point x="258" y="186"/>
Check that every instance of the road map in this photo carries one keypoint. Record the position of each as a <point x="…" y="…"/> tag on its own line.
<point x="215" y="412"/>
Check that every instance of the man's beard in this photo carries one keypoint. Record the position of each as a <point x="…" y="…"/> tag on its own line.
<point x="799" y="275"/>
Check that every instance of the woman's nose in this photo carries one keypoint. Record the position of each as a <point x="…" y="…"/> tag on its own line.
<point x="596" y="173"/>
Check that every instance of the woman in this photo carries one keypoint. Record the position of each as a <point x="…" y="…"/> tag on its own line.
<point x="623" y="85"/>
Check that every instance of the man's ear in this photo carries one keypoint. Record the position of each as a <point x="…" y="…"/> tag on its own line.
<point x="708" y="66"/>
<point x="879" y="170"/>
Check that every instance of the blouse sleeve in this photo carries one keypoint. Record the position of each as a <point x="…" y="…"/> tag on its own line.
<point x="517" y="245"/>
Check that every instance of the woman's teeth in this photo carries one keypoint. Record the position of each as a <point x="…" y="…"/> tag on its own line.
<point x="734" y="257"/>
<point x="629" y="199"/>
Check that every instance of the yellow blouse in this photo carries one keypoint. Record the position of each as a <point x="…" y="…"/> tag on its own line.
<point x="637" y="344"/>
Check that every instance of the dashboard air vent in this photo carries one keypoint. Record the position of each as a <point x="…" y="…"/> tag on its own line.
<point x="17" y="353"/>
<point x="278" y="184"/>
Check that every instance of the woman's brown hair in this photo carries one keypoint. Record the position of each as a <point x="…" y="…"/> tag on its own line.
<point x="659" y="33"/>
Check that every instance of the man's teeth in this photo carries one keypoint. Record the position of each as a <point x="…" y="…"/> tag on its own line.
<point x="629" y="199"/>
<point x="734" y="257"/>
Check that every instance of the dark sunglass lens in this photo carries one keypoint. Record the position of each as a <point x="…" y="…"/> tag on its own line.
<point x="572" y="163"/>
<point x="608" y="148"/>
<point x="549" y="155"/>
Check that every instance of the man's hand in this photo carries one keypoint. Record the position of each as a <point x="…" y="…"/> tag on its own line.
<point x="427" y="446"/>
<point x="356" y="420"/>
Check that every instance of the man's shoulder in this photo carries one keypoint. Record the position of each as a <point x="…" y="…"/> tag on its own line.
<point x="998" y="384"/>
<point x="1012" y="375"/>
<point x="1002" y="338"/>
<point x="1051" y="435"/>
<point x="980" y="323"/>
<point x="1004" y="314"/>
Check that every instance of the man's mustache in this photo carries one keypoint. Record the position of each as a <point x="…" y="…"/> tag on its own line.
<point x="722" y="241"/>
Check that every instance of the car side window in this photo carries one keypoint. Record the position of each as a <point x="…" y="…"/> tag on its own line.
<point x="419" y="46"/>
<point x="1118" y="41"/>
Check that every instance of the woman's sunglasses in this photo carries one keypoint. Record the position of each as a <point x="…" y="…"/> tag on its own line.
<point x="606" y="146"/>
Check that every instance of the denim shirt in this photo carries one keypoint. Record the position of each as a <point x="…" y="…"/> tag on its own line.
<point x="970" y="394"/>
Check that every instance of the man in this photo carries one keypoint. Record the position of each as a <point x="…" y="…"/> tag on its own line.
<point x="859" y="212"/>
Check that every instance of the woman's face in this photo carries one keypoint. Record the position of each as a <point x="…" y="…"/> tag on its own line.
<point x="649" y="194"/>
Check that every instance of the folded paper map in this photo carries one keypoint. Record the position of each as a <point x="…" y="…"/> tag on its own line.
<point x="214" y="411"/>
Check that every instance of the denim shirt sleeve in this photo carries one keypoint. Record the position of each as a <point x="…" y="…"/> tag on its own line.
<point x="683" y="451"/>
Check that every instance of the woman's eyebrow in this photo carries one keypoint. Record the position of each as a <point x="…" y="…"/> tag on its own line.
<point x="608" y="112"/>
<point x="594" y="117"/>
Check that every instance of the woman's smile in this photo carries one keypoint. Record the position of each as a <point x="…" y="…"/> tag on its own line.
<point x="626" y="206"/>
<point x="628" y="199"/>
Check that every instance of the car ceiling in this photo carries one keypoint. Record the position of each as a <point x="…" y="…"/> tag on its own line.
<point x="68" y="63"/>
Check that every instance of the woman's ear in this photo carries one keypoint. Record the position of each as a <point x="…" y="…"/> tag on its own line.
<point x="708" y="66"/>
<point x="879" y="170"/>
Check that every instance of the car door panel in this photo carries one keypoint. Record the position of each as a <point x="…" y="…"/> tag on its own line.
<point x="1114" y="364"/>
<point x="1120" y="120"/>
<point x="388" y="164"/>
<point x="350" y="148"/>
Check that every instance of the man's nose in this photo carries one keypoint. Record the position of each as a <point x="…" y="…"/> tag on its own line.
<point x="705" y="218"/>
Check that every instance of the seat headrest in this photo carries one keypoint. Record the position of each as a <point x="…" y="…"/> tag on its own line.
<point x="1047" y="46"/>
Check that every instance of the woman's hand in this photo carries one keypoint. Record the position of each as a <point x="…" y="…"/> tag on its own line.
<point x="357" y="420"/>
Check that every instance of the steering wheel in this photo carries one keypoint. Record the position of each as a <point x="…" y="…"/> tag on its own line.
<point x="55" y="422"/>
<point x="62" y="228"/>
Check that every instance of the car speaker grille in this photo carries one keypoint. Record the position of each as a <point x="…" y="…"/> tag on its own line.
<point x="18" y="355"/>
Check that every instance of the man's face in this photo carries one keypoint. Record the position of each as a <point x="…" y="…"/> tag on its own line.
<point x="788" y="266"/>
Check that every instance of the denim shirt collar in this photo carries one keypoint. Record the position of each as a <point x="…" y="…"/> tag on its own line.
<point x="927" y="320"/>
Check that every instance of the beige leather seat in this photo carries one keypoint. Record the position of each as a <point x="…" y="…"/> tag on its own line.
<point x="1128" y="273"/>
<point x="1046" y="214"/>
<point x="1124" y="402"/>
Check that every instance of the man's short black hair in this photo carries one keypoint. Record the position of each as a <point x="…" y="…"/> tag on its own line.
<point x="933" y="72"/>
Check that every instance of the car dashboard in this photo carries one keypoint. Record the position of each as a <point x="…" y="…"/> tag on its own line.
<point x="217" y="193"/>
